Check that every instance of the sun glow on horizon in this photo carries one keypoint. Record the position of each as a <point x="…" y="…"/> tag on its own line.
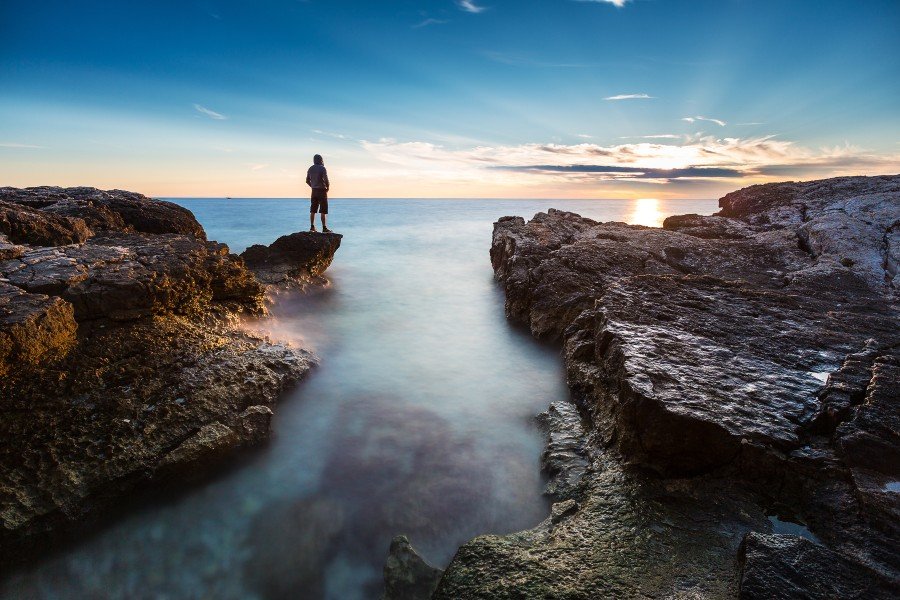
<point x="646" y="212"/>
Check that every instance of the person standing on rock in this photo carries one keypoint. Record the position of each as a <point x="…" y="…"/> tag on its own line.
<point x="317" y="179"/>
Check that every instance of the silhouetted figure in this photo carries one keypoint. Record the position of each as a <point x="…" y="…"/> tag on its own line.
<point x="317" y="179"/>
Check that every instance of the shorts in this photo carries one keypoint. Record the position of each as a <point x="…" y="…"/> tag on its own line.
<point x="319" y="201"/>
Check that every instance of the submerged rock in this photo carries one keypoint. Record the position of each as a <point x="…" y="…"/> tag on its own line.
<point x="406" y="575"/>
<point x="698" y="350"/>
<point x="121" y="366"/>
<point x="293" y="259"/>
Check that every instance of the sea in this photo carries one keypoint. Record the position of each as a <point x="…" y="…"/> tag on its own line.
<point x="419" y="419"/>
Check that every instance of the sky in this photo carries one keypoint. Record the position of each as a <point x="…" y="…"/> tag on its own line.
<point x="447" y="98"/>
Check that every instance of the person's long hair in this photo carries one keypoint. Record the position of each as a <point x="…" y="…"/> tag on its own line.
<point x="317" y="159"/>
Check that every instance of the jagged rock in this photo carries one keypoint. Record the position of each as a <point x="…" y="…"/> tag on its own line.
<point x="111" y="210"/>
<point x="791" y="567"/>
<point x="158" y="399"/>
<point x="406" y="575"/>
<point x="295" y="258"/>
<point x="561" y="510"/>
<point x="9" y="250"/>
<point x="121" y="363"/>
<point x="565" y="456"/>
<point x="126" y="276"/>
<point x="700" y="350"/>
<point x="23" y="225"/>
<point x="631" y="537"/>
<point x="711" y="227"/>
<point x="194" y="456"/>
<point x="34" y="329"/>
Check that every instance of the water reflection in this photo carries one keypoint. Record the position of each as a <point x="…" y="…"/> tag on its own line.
<point x="646" y="212"/>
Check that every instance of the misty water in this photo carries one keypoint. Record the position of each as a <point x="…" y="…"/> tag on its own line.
<point x="419" y="419"/>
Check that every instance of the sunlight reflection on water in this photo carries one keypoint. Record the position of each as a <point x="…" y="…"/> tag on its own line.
<point x="646" y="212"/>
<point x="419" y="419"/>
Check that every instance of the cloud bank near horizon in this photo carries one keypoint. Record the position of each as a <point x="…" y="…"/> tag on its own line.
<point x="698" y="158"/>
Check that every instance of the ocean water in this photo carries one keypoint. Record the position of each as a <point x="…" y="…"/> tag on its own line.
<point x="419" y="419"/>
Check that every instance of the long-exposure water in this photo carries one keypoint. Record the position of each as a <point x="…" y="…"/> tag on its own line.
<point x="419" y="419"/>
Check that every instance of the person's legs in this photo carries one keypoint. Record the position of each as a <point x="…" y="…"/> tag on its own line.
<point x="313" y="207"/>
<point x="324" y="214"/>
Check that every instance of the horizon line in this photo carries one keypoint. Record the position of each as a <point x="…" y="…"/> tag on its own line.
<point x="409" y="198"/>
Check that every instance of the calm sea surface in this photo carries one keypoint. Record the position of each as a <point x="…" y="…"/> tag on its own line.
<point x="419" y="420"/>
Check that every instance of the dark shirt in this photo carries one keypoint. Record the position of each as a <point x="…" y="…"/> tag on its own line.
<point x="317" y="177"/>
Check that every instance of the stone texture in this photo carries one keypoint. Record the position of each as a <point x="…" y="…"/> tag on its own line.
<point x="406" y="575"/>
<point x="700" y="350"/>
<point x="34" y="330"/>
<point x="293" y="259"/>
<point x="110" y="210"/>
<point x="24" y="225"/>
<point x="787" y="567"/>
<point x="122" y="365"/>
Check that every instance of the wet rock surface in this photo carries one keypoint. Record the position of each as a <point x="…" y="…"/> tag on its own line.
<point x="122" y="363"/>
<point x="406" y="574"/>
<point x="294" y="259"/>
<point x="698" y="354"/>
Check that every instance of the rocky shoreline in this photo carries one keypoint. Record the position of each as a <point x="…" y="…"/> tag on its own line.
<point x="123" y="364"/>
<point x="734" y="374"/>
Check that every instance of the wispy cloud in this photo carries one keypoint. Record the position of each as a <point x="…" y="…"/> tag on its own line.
<point x="630" y="97"/>
<point x="659" y="136"/>
<point x="429" y="21"/>
<point x="618" y="3"/>
<point x="331" y="134"/>
<point x="258" y="166"/>
<point x="470" y="6"/>
<point x="718" y="122"/>
<point x="209" y="113"/>
<point x="17" y="145"/>
<point x="584" y="136"/>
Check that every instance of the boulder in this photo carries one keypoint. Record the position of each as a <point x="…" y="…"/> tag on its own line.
<point x="406" y="575"/>
<point x="291" y="259"/>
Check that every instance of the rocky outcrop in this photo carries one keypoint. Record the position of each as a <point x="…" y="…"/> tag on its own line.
<point x="121" y="365"/>
<point x="293" y="259"/>
<point x="406" y="574"/>
<point x="699" y="353"/>
<point x="112" y="210"/>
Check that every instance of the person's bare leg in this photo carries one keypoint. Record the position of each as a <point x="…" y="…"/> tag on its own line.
<point x="312" y="220"/>
<point x="324" y="219"/>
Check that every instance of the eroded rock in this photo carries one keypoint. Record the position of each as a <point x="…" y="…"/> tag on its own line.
<point x="702" y="350"/>
<point x="293" y="259"/>
<point x="406" y="574"/>
<point x="121" y="364"/>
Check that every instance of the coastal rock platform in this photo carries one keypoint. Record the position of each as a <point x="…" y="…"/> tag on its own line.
<point x="123" y="364"/>
<point x="740" y="378"/>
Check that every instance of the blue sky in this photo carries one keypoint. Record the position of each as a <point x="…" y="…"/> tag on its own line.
<point x="547" y="98"/>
